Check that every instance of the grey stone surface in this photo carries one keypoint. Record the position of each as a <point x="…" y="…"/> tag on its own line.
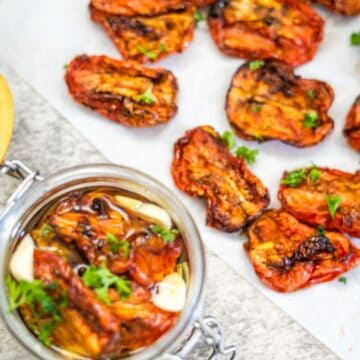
<point x="46" y="141"/>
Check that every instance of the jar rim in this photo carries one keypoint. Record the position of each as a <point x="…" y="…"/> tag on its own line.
<point x="96" y="175"/>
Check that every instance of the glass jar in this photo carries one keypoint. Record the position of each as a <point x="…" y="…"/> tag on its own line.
<point x="36" y="193"/>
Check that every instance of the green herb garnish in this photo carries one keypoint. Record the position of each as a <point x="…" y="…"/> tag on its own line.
<point x="294" y="178"/>
<point x="258" y="137"/>
<point x="147" y="96"/>
<point x="152" y="55"/>
<point x="101" y="279"/>
<point x="315" y="173"/>
<point x="115" y="245"/>
<point x="46" y="230"/>
<point x="229" y="139"/>
<point x="311" y="119"/>
<point x="310" y="94"/>
<point x="35" y="295"/>
<point x="343" y="280"/>
<point x="355" y="38"/>
<point x="168" y="236"/>
<point x="66" y="66"/>
<point x="320" y="231"/>
<point x="198" y="17"/>
<point x="147" y="52"/>
<point x="333" y="203"/>
<point x="256" y="65"/>
<point x="255" y="108"/>
<point x="249" y="155"/>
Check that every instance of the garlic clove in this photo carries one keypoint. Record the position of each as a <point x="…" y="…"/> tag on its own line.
<point x="146" y="211"/>
<point x="170" y="293"/>
<point x="128" y="202"/>
<point x="22" y="260"/>
<point x="156" y="214"/>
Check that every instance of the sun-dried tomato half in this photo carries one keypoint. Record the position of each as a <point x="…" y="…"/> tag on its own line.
<point x="144" y="38"/>
<point x="288" y="255"/>
<point x="123" y="91"/>
<point x="267" y="101"/>
<point x="203" y="167"/>
<point x="352" y="125"/>
<point x="137" y="7"/>
<point x="345" y="7"/>
<point x="331" y="198"/>
<point x="287" y="30"/>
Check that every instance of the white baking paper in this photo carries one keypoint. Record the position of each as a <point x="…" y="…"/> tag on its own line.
<point x="38" y="37"/>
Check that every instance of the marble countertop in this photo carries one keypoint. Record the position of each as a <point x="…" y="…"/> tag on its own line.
<point x="46" y="141"/>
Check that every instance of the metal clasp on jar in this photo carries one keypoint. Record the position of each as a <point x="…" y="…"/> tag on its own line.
<point x="20" y="171"/>
<point x="210" y="331"/>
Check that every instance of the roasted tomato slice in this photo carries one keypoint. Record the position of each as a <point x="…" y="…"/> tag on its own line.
<point x="267" y="101"/>
<point x="203" y="167"/>
<point x="287" y="30"/>
<point x="288" y="255"/>
<point x="137" y="7"/>
<point x="330" y="199"/>
<point x="352" y="125"/>
<point x="96" y="327"/>
<point x="142" y="321"/>
<point x="125" y="92"/>
<point x="345" y="7"/>
<point x="143" y="38"/>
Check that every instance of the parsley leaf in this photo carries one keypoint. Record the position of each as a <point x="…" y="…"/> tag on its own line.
<point x="46" y="230"/>
<point x="152" y="55"/>
<point x="355" y="38"/>
<point x="198" y="17"/>
<point x="168" y="236"/>
<point x="66" y="66"/>
<point x="248" y="154"/>
<point x="35" y="295"/>
<point x="147" y="97"/>
<point x="310" y="94"/>
<point x="115" y="245"/>
<point x="311" y="119"/>
<point x="228" y="138"/>
<point x="333" y="203"/>
<point x="294" y="178"/>
<point x="320" y="231"/>
<point x="315" y="173"/>
<point x="343" y="280"/>
<point x="256" y="65"/>
<point x="255" y="108"/>
<point x="101" y="279"/>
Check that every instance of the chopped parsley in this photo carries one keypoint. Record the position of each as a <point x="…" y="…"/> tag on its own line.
<point x="168" y="236"/>
<point x="198" y="17"/>
<point x="46" y="230"/>
<point x="294" y="178"/>
<point x="333" y="203"/>
<point x="152" y="55"/>
<point x="355" y="38"/>
<point x="320" y="231"/>
<point x="256" y="65"/>
<point x="343" y="280"/>
<point x="249" y="155"/>
<point x="147" y="97"/>
<point x="229" y="139"/>
<point x="315" y="173"/>
<point x="115" y="245"/>
<point x="258" y="137"/>
<point x="255" y="108"/>
<point x="101" y="279"/>
<point x="310" y="94"/>
<point x="66" y="66"/>
<point x="35" y="295"/>
<point x="311" y="119"/>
